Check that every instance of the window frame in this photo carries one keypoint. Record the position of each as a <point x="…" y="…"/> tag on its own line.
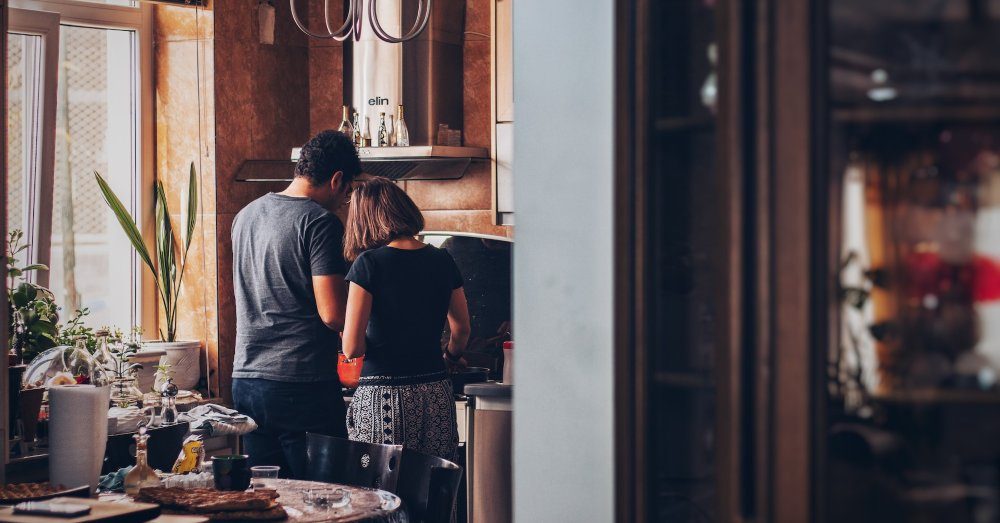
<point x="40" y="183"/>
<point x="104" y="16"/>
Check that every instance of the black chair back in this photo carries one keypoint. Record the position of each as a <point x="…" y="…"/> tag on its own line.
<point x="428" y="485"/>
<point x="337" y="460"/>
<point x="162" y="448"/>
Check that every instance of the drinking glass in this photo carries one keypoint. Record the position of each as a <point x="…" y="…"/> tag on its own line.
<point x="264" y="476"/>
<point x="330" y="498"/>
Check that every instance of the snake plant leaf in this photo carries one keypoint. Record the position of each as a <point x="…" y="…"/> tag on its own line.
<point x="125" y="220"/>
<point x="192" y="209"/>
<point x="35" y="267"/>
<point x="164" y="244"/>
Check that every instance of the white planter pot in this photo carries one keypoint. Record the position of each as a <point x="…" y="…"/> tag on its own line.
<point x="184" y="358"/>
<point x="149" y="358"/>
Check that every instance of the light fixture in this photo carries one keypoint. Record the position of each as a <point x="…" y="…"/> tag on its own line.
<point x="354" y="21"/>
<point x="882" y="91"/>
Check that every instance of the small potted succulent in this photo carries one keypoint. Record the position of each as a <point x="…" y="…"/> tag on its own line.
<point x="168" y="272"/>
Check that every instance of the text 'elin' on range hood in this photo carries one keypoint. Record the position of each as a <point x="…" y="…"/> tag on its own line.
<point x="424" y="75"/>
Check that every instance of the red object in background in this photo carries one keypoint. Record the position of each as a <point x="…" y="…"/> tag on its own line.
<point x="508" y="345"/>
<point x="987" y="279"/>
<point x="349" y="371"/>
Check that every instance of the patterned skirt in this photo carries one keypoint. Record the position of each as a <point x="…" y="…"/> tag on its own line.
<point x="417" y="412"/>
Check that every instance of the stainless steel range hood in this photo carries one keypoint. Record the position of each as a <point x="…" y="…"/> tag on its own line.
<point x="420" y="162"/>
<point x="424" y="75"/>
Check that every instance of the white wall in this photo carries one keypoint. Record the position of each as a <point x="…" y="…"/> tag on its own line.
<point x="563" y="163"/>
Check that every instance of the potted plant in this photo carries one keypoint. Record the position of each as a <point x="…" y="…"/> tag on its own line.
<point x="33" y="325"/>
<point x="168" y="273"/>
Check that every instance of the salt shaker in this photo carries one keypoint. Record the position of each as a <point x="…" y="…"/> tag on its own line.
<point x="168" y="393"/>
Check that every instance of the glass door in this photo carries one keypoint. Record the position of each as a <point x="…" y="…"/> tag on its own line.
<point x="679" y="289"/>
<point x="913" y="377"/>
<point x="683" y="313"/>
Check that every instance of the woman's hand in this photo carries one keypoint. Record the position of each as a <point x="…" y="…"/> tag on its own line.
<point x="454" y="365"/>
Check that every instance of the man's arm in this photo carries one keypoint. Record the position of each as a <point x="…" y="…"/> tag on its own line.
<point x="331" y="300"/>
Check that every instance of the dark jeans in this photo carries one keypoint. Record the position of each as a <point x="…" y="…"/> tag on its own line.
<point x="284" y="412"/>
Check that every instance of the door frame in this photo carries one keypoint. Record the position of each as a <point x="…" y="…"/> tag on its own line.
<point x="772" y="348"/>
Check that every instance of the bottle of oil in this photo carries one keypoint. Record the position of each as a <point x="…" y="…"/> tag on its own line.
<point x="366" y="140"/>
<point x="141" y="475"/>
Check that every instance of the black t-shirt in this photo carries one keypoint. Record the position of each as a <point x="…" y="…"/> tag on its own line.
<point x="411" y="291"/>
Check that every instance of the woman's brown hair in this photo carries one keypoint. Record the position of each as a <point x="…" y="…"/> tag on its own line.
<point x="380" y="212"/>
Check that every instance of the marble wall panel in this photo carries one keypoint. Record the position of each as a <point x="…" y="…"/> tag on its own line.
<point x="185" y="131"/>
<point x="471" y="192"/>
<point x="175" y="23"/>
<point x="227" y="307"/>
<point x="326" y="88"/>
<point x="465" y="221"/>
<point x="476" y="93"/>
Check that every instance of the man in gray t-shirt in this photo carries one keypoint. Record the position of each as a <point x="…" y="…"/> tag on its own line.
<point x="288" y="277"/>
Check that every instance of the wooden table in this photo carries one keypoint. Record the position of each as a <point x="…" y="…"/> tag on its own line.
<point x="367" y="505"/>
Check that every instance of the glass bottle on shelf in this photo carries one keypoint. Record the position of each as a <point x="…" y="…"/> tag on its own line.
<point x="141" y="475"/>
<point x="391" y="130"/>
<point x="78" y="362"/>
<point x="103" y="357"/>
<point x="366" y="140"/>
<point x="356" y="133"/>
<point x="383" y="134"/>
<point x="402" y="133"/>
<point x="346" y="127"/>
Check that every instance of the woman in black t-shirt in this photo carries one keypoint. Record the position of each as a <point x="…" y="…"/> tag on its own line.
<point x="401" y="293"/>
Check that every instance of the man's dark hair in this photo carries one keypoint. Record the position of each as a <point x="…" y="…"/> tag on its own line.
<point x="326" y="153"/>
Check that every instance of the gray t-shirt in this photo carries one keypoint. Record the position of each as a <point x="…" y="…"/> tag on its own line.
<point x="279" y="243"/>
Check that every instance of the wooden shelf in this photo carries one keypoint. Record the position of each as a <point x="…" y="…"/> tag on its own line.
<point x="918" y="114"/>
<point x="938" y="397"/>
<point x="684" y="380"/>
<point x="683" y="124"/>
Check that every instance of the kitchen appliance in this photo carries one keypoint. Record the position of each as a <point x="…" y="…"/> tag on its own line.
<point x="424" y="75"/>
<point x="460" y="378"/>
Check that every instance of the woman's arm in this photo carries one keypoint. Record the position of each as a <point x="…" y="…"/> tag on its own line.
<point x="458" y="323"/>
<point x="359" y="308"/>
<point x="331" y="298"/>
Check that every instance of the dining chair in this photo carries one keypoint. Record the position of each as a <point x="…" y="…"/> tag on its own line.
<point x="338" y="460"/>
<point x="428" y="486"/>
<point x="163" y="448"/>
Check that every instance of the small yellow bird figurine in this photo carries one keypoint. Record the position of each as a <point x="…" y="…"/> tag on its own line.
<point x="190" y="460"/>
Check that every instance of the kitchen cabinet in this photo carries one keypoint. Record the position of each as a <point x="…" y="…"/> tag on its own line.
<point x="504" y="53"/>
<point x="503" y="112"/>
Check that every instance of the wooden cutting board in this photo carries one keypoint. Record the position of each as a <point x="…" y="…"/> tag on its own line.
<point x="100" y="511"/>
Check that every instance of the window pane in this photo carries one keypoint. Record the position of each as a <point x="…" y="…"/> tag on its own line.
<point x="91" y="264"/>
<point x="24" y="110"/>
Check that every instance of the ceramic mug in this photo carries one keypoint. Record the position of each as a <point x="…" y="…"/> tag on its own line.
<point x="231" y="472"/>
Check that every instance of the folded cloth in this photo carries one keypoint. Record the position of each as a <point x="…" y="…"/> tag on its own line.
<point x="126" y="420"/>
<point x="114" y="481"/>
<point x="217" y="420"/>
